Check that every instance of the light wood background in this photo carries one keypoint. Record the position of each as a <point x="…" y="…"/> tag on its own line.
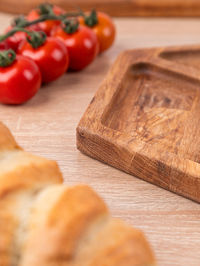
<point x="121" y="8"/>
<point x="46" y="126"/>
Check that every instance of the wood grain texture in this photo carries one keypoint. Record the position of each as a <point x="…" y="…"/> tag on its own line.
<point x="145" y="118"/>
<point x="46" y="125"/>
<point x="120" y="8"/>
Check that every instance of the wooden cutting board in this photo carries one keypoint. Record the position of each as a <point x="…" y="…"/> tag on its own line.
<point x="145" y="118"/>
<point x="114" y="7"/>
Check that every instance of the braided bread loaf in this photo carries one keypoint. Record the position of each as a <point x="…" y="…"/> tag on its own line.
<point x="44" y="223"/>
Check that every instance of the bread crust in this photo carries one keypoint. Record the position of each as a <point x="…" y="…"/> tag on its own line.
<point x="22" y="175"/>
<point x="54" y="231"/>
<point x="77" y="230"/>
<point x="116" y="244"/>
<point x="7" y="141"/>
<point x="45" y="223"/>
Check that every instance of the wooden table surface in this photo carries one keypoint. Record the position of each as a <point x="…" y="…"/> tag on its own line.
<point x="46" y="125"/>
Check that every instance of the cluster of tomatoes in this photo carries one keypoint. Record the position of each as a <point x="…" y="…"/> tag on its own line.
<point x="46" y="50"/>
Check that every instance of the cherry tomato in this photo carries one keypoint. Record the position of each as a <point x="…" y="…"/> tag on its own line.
<point x="82" y="45"/>
<point x="47" y="25"/>
<point x="15" y="40"/>
<point x="104" y="29"/>
<point x="20" y="81"/>
<point x="51" y="57"/>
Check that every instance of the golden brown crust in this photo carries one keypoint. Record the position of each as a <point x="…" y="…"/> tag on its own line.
<point x="25" y="178"/>
<point x="7" y="141"/>
<point x="56" y="230"/>
<point x="7" y="227"/>
<point x="75" y="229"/>
<point x="21" y="176"/>
<point x="116" y="244"/>
<point x="25" y="170"/>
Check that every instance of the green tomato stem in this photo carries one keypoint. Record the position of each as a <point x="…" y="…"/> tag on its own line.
<point x="7" y="57"/>
<point x="24" y="23"/>
<point x="92" y="19"/>
<point x="12" y="32"/>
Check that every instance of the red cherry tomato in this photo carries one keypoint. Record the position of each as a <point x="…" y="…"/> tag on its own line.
<point x="82" y="46"/>
<point x="15" y="40"/>
<point x="47" y="25"/>
<point x="20" y="81"/>
<point x="51" y="57"/>
<point x="104" y="29"/>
